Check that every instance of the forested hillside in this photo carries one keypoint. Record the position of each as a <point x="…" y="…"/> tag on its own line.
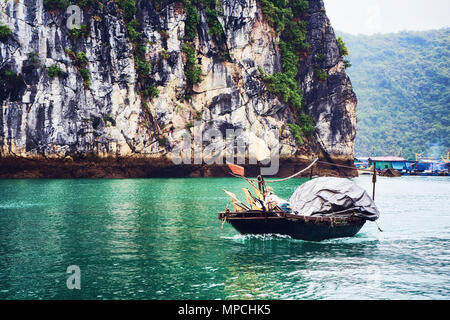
<point x="402" y="84"/>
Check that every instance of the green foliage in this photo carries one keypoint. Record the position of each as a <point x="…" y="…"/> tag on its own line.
<point x="81" y="59"/>
<point x="305" y="129"/>
<point x="143" y="66"/>
<point x="299" y="7"/>
<point x="86" y="75"/>
<point x="132" y="33"/>
<point x="5" y="33"/>
<point x="285" y="17"/>
<point x="215" y="28"/>
<point x="347" y="63"/>
<point x="151" y="92"/>
<point x="109" y="118"/>
<point x="192" y="20"/>
<point x="163" y="141"/>
<point x="81" y="62"/>
<point x="140" y="50"/>
<point x="56" y="4"/>
<point x="87" y="3"/>
<point x="342" y="47"/>
<point x="285" y="87"/>
<point x="192" y="71"/>
<point x="54" y="71"/>
<point x="11" y="84"/>
<point x="164" y="34"/>
<point x="76" y="33"/>
<point x="165" y="55"/>
<point x="280" y="13"/>
<point x="296" y="132"/>
<point x="226" y="56"/>
<point x="289" y="60"/>
<point x="189" y="125"/>
<point x="320" y="74"/>
<point x="307" y="125"/>
<point x="8" y="74"/>
<point x="70" y="53"/>
<point x="276" y="16"/>
<point x="295" y="35"/>
<point x="129" y="8"/>
<point x="319" y="57"/>
<point x="34" y="58"/>
<point x="402" y="84"/>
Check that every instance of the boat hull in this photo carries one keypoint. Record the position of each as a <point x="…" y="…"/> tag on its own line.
<point x="298" y="227"/>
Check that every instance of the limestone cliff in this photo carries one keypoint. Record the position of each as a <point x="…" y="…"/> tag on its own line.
<point x="67" y="94"/>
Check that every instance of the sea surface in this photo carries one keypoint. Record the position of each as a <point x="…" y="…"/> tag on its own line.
<point x="161" y="239"/>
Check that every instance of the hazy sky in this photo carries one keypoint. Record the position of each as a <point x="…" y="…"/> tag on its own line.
<point x="384" y="16"/>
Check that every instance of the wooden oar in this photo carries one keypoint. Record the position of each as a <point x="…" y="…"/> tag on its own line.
<point x="233" y="197"/>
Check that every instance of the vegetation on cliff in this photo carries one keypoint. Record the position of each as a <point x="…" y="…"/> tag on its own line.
<point x="56" y="4"/>
<point x="54" y="71"/>
<point x="171" y="47"/>
<point x="285" y="16"/>
<point x="402" y="83"/>
<point x="5" y="33"/>
<point x="192" y="70"/>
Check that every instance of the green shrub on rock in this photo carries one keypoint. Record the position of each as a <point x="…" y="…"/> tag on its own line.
<point x="285" y="87"/>
<point x="76" y="33"/>
<point x="296" y="132"/>
<point x="192" y="71"/>
<point x="307" y="125"/>
<point x="342" y="47"/>
<point x="56" y="4"/>
<point x="151" y="92"/>
<point x="320" y="74"/>
<point x="129" y="8"/>
<point x="5" y="33"/>
<point x="143" y="66"/>
<point x="54" y="71"/>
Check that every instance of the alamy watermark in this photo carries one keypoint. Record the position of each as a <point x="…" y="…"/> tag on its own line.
<point x="74" y="17"/>
<point x="74" y="280"/>
<point x="236" y="146"/>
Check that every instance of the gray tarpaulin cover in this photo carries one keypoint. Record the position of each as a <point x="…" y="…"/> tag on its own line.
<point x="333" y="197"/>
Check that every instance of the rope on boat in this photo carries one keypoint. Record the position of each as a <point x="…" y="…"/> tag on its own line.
<point x="379" y="229"/>
<point x="343" y="166"/>
<point x="311" y="165"/>
<point x="223" y="222"/>
<point x="302" y="171"/>
<point x="294" y="175"/>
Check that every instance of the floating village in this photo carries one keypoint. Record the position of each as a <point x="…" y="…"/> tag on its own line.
<point x="399" y="166"/>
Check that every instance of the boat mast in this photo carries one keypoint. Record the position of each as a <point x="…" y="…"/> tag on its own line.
<point x="374" y="179"/>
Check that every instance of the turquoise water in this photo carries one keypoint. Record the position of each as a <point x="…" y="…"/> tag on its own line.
<point x="161" y="239"/>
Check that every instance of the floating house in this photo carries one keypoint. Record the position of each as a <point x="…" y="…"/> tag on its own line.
<point x="361" y="162"/>
<point x="397" y="163"/>
<point x="430" y="166"/>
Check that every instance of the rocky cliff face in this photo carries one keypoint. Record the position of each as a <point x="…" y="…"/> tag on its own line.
<point x="105" y="112"/>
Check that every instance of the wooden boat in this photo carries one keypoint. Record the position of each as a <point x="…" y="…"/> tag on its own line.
<point x="254" y="217"/>
<point x="362" y="172"/>
<point x="296" y="226"/>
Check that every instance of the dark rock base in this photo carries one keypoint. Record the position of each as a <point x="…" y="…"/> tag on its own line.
<point x="20" y="168"/>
